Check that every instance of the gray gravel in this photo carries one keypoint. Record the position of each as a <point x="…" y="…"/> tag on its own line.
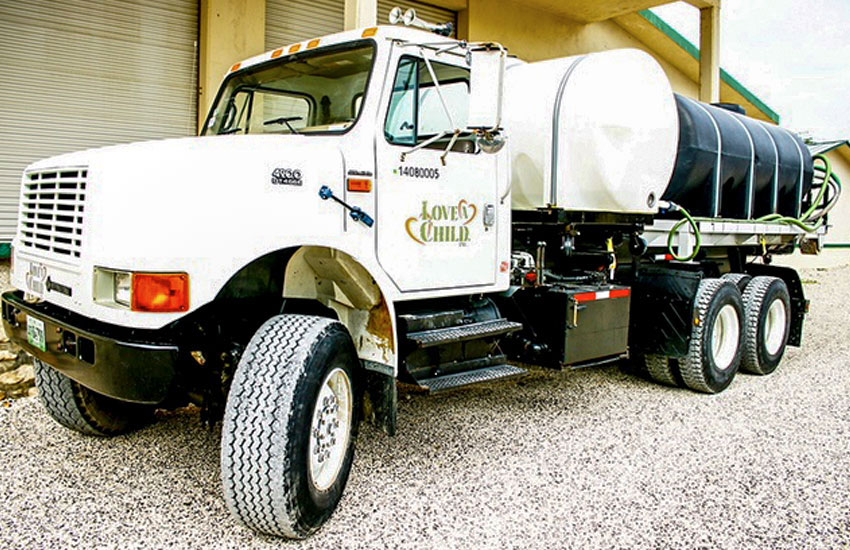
<point x="588" y="458"/>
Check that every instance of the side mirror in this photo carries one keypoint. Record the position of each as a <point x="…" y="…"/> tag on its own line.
<point x="487" y="76"/>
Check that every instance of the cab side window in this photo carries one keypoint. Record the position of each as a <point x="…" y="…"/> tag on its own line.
<point x="416" y="112"/>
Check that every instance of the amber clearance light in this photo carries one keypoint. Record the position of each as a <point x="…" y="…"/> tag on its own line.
<point x="160" y="292"/>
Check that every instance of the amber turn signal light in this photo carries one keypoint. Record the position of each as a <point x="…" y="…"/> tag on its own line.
<point x="359" y="185"/>
<point x="160" y="292"/>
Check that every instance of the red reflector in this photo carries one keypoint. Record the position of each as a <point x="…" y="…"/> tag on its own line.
<point x="585" y="297"/>
<point x="160" y="292"/>
<point x="621" y="293"/>
<point x="668" y="257"/>
<point x="359" y="185"/>
<point x="531" y="276"/>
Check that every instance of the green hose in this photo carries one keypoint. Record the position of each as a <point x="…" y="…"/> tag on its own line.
<point x="802" y="222"/>
<point x="675" y="229"/>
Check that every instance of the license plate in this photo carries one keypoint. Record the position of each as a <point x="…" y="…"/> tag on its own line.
<point x="36" y="277"/>
<point x="35" y="333"/>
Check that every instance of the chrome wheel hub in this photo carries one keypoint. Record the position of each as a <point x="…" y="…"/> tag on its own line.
<point x="330" y="428"/>
<point x="774" y="329"/>
<point x="724" y="338"/>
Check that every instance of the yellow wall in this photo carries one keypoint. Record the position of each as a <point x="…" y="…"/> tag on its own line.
<point x="533" y="35"/>
<point x="231" y="30"/>
<point x="839" y="221"/>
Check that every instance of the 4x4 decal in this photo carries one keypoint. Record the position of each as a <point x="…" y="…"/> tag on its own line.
<point x="286" y="176"/>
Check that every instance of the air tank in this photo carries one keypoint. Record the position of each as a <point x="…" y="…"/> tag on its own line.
<point x="729" y="165"/>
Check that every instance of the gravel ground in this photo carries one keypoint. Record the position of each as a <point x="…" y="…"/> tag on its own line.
<point x="587" y="458"/>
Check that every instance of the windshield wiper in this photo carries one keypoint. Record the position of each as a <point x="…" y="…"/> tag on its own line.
<point x="284" y="120"/>
<point x="231" y="131"/>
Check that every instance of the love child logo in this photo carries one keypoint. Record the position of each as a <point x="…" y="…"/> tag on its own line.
<point x="442" y="223"/>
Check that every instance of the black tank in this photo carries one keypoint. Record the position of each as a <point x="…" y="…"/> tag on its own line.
<point x="733" y="166"/>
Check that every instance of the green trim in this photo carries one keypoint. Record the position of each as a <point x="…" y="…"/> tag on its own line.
<point x="836" y="245"/>
<point x="5" y="250"/>
<point x="686" y="45"/>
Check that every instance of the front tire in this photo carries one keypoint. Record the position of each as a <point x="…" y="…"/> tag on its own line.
<point x="714" y="352"/>
<point x="83" y="410"/>
<point x="289" y="425"/>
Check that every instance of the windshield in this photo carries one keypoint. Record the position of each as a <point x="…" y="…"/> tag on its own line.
<point x="312" y="92"/>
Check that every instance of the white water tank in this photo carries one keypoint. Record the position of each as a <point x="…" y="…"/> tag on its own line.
<point x="609" y="118"/>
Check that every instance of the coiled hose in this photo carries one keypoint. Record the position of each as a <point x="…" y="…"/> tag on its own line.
<point x="810" y="221"/>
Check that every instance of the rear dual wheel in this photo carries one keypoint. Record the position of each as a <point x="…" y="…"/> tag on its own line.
<point x="767" y="310"/>
<point x="739" y="322"/>
<point x="714" y="351"/>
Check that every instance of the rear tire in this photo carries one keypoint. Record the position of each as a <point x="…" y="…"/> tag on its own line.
<point x="81" y="409"/>
<point x="663" y="369"/>
<point x="767" y="314"/>
<point x="741" y="280"/>
<point x="715" y="348"/>
<point x="290" y="424"/>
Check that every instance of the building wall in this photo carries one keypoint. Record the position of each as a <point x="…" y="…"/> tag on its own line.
<point x="533" y="35"/>
<point x="837" y="243"/>
<point x="231" y="30"/>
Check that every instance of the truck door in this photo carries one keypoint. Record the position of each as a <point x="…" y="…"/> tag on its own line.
<point x="436" y="212"/>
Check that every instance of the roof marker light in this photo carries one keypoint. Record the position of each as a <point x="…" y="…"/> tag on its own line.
<point x="294" y="48"/>
<point x="372" y="31"/>
<point x="277" y="53"/>
<point x="235" y="67"/>
<point x="313" y="43"/>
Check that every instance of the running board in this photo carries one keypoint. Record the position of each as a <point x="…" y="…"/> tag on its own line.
<point x="468" y="378"/>
<point x="472" y="331"/>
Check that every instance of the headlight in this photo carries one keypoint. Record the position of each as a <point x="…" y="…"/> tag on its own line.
<point x="152" y="292"/>
<point x="122" y="283"/>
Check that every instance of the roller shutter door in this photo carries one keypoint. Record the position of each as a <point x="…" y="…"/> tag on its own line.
<point x="426" y="12"/>
<point x="289" y="21"/>
<point x="82" y="73"/>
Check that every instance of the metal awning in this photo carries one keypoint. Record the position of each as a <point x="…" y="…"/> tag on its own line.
<point x="824" y="147"/>
<point x="585" y="11"/>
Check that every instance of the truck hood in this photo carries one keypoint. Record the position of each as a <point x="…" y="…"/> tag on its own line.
<point x="156" y="203"/>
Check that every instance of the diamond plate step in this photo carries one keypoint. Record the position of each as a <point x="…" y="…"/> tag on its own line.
<point x="458" y="380"/>
<point x="484" y="329"/>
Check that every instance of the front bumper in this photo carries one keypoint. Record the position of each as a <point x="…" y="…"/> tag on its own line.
<point x="127" y="364"/>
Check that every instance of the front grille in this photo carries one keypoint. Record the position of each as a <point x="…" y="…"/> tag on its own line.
<point x="52" y="210"/>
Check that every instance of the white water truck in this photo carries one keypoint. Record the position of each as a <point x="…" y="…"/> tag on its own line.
<point x="390" y="205"/>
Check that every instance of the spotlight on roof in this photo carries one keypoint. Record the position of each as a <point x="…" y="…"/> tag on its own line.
<point x="410" y="19"/>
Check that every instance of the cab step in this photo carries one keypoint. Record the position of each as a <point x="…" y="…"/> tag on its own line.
<point x="472" y="331"/>
<point x="470" y="377"/>
<point x="413" y="322"/>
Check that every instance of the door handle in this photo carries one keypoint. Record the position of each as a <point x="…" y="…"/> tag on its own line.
<point x="489" y="215"/>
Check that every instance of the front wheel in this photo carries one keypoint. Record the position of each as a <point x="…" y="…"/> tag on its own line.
<point x="83" y="410"/>
<point x="290" y="424"/>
